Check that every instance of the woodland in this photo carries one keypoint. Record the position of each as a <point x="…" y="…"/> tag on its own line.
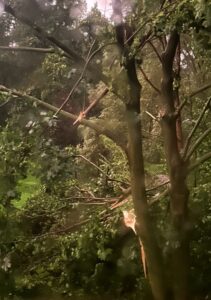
<point x="105" y="150"/>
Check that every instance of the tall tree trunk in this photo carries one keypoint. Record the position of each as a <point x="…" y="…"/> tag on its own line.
<point x="144" y="225"/>
<point x="136" y="162"/>
<point x="179" y="244"/>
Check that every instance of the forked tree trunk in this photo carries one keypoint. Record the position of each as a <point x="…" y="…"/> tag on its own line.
<point x="177" y="267"/>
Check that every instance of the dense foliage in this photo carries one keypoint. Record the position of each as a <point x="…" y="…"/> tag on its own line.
<point x="65" y="178"/>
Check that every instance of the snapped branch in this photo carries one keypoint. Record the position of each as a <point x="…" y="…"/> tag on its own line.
<point x="99" y="129"/>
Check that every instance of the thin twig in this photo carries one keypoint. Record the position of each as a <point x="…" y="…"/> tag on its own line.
<point x="99" y="169"/>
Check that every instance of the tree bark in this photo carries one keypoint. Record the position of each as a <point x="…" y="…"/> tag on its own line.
<point x="136" y="163"/>
<point x="179" y="244"/>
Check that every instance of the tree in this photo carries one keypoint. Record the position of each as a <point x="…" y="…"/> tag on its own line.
<point x="164" y="30"/>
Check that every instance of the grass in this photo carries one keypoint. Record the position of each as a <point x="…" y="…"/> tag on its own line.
<point x="27" y="188"/>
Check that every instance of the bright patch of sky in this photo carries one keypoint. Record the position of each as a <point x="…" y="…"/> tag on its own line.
<point x="103" y="5"/>
<point x="1" y="6"/>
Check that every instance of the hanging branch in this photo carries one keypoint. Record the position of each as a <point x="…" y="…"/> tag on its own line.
<point x="207" y="104"/>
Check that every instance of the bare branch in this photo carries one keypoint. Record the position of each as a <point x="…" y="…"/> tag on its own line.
<point x="40" y="32"/>
<point x="148" y="80"/>
<point x="5" y="103"/>
<point x="155" y="50"/>
<point x="99" y="169"/>
<point x="27" y="49"/>
<point x="89" y="57"/>
<point x="194" y="93"/>
<point x="199" y="161"/>
<point x="196" y="126"/>
<point x="200" y="90"/>
<point x="197" y="143"/>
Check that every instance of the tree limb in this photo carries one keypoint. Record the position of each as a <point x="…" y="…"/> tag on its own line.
<point x="199" y="161"/>
<point x="196" y="126"/>
<point x="194" y="93"/>
<point x="89" y="57"/>
<point x="155" y="50"/>
<point x="40" y="32"/>
<point x="148" y="80"/>
<point x="197" y="143"/>
<point x="99" y="129"/>
<point x="27" y="49"/>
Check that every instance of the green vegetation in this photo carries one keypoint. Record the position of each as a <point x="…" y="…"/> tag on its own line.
<point x="105" y="121"/>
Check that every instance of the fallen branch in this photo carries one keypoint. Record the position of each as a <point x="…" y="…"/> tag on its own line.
<point x="40" y="32"/>
<point x="100" y="130"/>
<point x="84" y="113"/>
